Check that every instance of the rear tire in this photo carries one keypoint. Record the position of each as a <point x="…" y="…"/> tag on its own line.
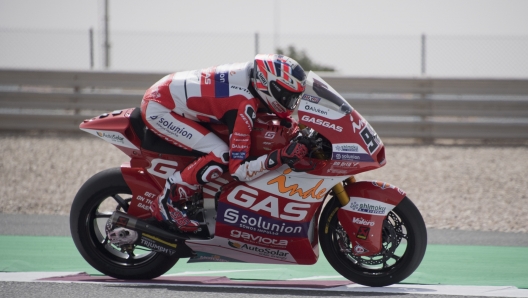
<point x="404" y="245"/>
<point x="93" y="205"/>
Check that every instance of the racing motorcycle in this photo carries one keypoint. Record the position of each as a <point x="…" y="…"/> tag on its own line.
<point x="369" y="231"/>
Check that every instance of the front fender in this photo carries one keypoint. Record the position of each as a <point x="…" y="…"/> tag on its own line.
<point x="363" y="216"/>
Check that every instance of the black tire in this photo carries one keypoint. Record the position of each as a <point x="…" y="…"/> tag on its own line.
<point x="102" y="194"/>
<point x="403" y="225"/>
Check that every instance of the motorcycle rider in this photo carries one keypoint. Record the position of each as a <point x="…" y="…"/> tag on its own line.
<point x="229" y="94"/>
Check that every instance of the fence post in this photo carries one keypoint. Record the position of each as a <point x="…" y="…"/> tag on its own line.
<point x="256" y="43"/>
<point x="91" y="49"/>
<point x="423" y="54"/>
<point x="106" y="37"/>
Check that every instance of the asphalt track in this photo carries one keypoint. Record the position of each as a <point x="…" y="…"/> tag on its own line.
<point x="461" y="263"/>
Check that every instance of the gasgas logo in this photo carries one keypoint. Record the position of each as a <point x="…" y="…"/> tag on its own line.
<point x="322" y="123"/>
<point x="293" y="189"/>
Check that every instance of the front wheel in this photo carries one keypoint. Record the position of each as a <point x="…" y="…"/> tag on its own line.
<point x="98" y="198"/>
<point x="404" y="242"/>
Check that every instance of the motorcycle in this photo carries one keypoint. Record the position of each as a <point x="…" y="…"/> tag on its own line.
<point x="369" y="231"/>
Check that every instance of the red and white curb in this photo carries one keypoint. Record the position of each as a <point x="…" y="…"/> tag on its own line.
<point x="304" y="284"/>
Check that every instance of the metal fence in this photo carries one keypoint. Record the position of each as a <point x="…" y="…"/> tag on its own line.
<point x="355" y="55"/>
<point x="423" y="108"/>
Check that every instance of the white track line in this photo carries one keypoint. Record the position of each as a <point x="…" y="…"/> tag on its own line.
<point x="32" y="276"/>
<point x="483" y="291"/>
<point x="213" y="272"/>
<point x="335" y="277"/>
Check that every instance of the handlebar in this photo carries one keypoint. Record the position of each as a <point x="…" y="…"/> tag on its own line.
<point x="314" y="145"/>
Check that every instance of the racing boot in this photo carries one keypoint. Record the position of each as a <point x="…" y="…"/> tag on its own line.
<point x="164" y="209"/>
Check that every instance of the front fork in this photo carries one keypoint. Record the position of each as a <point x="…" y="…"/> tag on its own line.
<point x="340" y="192"/>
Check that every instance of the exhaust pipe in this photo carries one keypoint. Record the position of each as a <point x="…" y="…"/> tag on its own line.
<point x="131" y="222"/>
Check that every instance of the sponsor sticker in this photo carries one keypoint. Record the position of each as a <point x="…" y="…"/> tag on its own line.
<point x="319" y="110"/>
<point x="345" y="164"/>
<point x="358" y="249"/>
<point x="207" y="257"/>
<point x="322" y="123"/>
<point x="261" y="251"/>
<point x="311" y="98"/>
<point x="337" y="171"/>
<point x="350" y="156"/>
<point x="174" y="128"/>
<point x="384" y="185"/>
<point x="254" y="222"/>
<point x="295" y="189"/>
<point x="238" y="155"/>
<point x="258" y="239"/>
<point x="262" y="78"/>
<point x="362" y="221"/>
<point x="316" y="110"/>
<point x="346" y="148"/>
<point x="363" y="233"/>
<point x="368" y="206"/>
<point x="269" y="135"/>
<point x="112" y="137"/>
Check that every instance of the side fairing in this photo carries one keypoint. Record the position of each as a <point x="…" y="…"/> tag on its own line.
<point x="272" y="219"/>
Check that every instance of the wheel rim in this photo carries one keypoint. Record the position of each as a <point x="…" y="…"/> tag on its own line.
<point x="95" y="222"/>
<point x="395" y="247"/>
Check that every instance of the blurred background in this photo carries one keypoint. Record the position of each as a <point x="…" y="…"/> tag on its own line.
<point x="481" y="38"/>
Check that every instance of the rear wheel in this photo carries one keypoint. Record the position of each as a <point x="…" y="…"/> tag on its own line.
<point x="93" y="205"/>
<point x="404" y="243"/>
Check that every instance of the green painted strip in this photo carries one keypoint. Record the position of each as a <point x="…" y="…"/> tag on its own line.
<point x="443" y="264"/>
<point x="30" y="253"/>
<point x="473" y="265"/>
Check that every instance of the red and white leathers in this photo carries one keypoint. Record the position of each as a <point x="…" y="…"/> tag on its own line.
<point x="172" y="107"/>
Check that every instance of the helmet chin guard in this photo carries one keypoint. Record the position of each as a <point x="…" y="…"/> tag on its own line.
<point x="280" y="81"/>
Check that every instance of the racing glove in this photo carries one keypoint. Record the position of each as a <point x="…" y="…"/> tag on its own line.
<point x="289" y="155"/>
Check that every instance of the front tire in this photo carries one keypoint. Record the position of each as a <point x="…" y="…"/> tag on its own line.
<point x="93" y="205"/>
<point x="404" y="245"/>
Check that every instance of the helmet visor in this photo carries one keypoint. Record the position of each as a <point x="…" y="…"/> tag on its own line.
<point x="286" y="98"/>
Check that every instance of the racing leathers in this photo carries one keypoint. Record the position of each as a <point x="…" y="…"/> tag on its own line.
<point x="172" y="107"/>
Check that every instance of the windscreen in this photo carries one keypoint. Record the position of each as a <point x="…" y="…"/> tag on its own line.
<point x="321" y="93"/>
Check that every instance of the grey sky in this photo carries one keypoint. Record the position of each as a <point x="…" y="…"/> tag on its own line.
<point x="365" y="38"/>
<point x="384" y="17"/>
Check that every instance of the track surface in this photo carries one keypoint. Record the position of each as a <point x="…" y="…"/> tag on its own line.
<point x="13" y="284"/>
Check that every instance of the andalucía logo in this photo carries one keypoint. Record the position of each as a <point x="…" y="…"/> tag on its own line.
<point x="293" y="189"/>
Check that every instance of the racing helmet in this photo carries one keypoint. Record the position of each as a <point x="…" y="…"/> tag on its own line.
<point x="279" y="81"/>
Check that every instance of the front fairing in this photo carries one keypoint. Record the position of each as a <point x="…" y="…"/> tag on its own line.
<point x="356" y="146"/>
